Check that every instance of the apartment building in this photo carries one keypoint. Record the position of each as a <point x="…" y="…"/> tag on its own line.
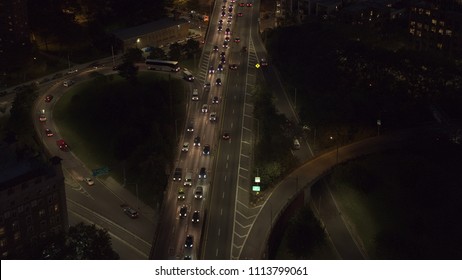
<point x="434" y="28"/>
<point x="32" y="201"/>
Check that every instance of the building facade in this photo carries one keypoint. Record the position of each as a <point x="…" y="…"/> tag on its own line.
<point x="432" y="28"/>
<point x="32" y="202"/>
<point x="14" y="26"/>
<point x="155" y="34"/>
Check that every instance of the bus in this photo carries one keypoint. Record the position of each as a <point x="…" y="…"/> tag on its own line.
<point x="162" y="65"/>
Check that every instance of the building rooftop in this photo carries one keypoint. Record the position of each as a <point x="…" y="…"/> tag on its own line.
<point x="140" y="30"/>
<point x="15" y="168"/>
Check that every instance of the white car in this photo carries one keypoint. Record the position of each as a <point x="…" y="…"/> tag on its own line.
<point x="89" y="181"/>
<point x="185" y="147"/>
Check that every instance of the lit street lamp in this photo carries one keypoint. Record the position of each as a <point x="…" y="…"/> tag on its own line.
<point x="336" y="143"/>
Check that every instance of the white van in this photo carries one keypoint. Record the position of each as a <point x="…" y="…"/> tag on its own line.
<point x="296" y="144"/>
<point x="188" y="179"/>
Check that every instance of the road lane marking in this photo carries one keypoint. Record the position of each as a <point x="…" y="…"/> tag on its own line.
<point x="219" y="231"/>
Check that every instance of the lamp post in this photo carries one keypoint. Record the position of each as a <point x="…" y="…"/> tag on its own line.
<point x="271" y="216"/>
<point x="336" y="144"/>
<point x="137" y="196"/>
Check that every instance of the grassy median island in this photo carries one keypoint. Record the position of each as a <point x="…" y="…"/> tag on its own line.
<point x="109" y="122"/>
<point x="403" y="204"/>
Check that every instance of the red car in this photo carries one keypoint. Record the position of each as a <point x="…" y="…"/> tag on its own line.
<point x="62" y="145"/>
<point x="48" y="98"/>
<point x="249" y="4"/>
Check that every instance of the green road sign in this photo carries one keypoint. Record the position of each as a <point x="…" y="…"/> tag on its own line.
<point x="256" y="188"/>
<point x="100" y="171"/>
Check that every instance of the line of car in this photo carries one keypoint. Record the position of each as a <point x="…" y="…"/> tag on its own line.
<point x="227" y="11"/>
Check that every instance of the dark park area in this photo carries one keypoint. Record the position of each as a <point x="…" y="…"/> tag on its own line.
<point x="129" y="127"/>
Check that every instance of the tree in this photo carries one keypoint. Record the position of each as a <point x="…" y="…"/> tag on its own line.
<point x="304" y="233"/>
<point x="20" y="122"/>
<point x="86" y="242"/>
<point x="157" y="53"/>
<point x="175" y="52"/>
<point x="133" y="55"/>
<point x="129" y="71"/>
<point x="191" y="47"/>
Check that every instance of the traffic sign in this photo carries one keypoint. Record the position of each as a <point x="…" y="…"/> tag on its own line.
<point x="256" y="188"/>
<point x="101" y="171"/>
<point x="257" y="65"/>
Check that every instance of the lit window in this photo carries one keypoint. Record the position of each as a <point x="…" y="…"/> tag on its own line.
<point x="440" y="31"/>
<point x="433" y="29"/>
<point x="442" y="23"/>
<point x="439" y="45"/>
<point x="434" y="21"/>
<point x="56" y="207"/>
<point x="427" y="12"/>
<point x="3" y="242"/>
<point x="2" y="231"/>
<point x="42" y="212"/>
<point x="412" y="31"/>
<point x="412" y="23"/>
<point x="17" y="235"/>
<point x="449" y="32"/>
<point x="419" y="33"/>
<point x="420" y="11"/>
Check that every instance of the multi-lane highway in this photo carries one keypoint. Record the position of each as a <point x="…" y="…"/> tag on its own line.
<point x="218" y="204"/>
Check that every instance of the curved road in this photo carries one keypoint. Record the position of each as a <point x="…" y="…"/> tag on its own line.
<point x="101" y="203"/>
<point x="302" y="178"/>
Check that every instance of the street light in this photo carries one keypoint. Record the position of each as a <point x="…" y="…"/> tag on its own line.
<point x="336" y="143"/>
<point x="137" y="197"/>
